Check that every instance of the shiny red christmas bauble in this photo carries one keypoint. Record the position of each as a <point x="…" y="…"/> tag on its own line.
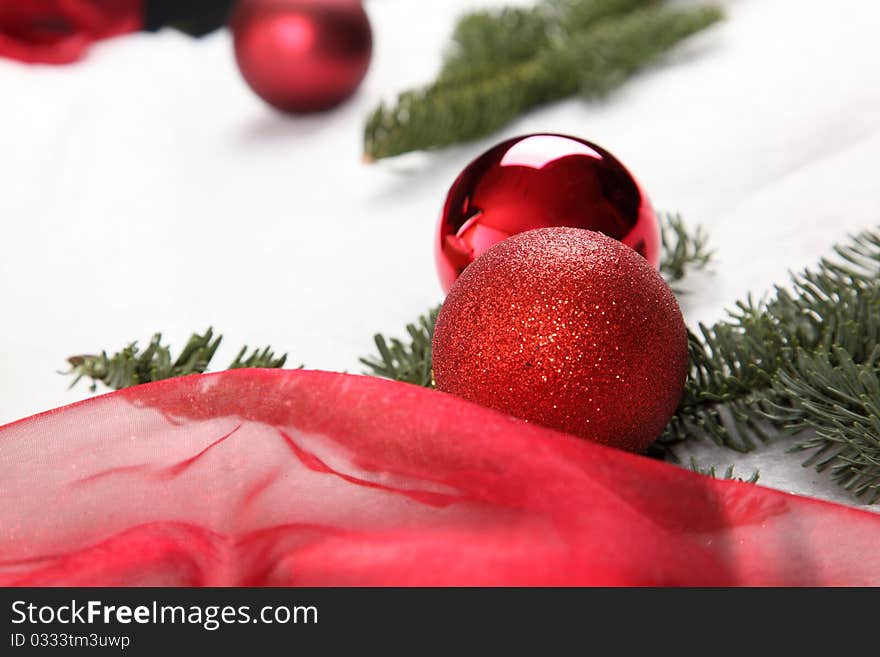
<point x="538" y="181"/>
<point x="567" y="328"/>
<point x="302" y="55"/>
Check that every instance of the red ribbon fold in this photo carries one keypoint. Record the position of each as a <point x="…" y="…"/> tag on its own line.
<point x="60" y="31"/>
<point x="266" y="477"/>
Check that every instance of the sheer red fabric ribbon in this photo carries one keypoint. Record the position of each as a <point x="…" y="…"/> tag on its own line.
<point x="60" y="31"/>
<point x="256" y="477"/>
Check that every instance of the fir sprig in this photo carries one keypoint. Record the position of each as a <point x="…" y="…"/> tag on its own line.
<point x="261" y="359"/>
<point x="486" y="43"/>
<point x="684" y="250"/>
<point x="132" y="366"/>
<point x="729" y="473"/>
<point x="804" y="359"/>
<point x="503" y="64"/>
<point x="839" y="400"/>
<point x="406" y="361"/>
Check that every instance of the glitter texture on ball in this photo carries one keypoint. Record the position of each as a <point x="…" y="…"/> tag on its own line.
<point x="567" y="328"/>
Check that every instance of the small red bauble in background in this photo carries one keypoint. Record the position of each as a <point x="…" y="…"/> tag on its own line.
<point x="567" y="328"/>
<point x="539" y="181"/>
<point x="302" y="55"/>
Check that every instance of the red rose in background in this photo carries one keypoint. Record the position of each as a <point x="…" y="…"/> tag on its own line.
<point x="59" y="31"/>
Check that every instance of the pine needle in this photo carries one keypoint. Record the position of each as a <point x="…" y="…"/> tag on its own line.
<point x="803" y="362"/>
<point x="487" y="43"/>
<point x="409" y="361"/>
<point x="729" y="473"/>
<point x="131" y="366"/>
<point x="683" y="250"/>
<point x="504" y="64"/>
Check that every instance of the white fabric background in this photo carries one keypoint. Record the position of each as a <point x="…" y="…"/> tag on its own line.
<point x="146" y="189"/>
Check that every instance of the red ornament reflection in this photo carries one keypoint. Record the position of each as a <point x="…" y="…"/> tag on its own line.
<point x="539" y="181"/>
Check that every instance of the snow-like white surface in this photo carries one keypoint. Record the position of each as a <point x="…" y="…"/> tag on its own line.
<point x="146" y="189"/>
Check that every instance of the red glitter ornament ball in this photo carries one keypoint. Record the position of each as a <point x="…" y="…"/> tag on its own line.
<point x="567" y="328"/>
<point x="302" y="55"/>
<point x="539" y="181"/>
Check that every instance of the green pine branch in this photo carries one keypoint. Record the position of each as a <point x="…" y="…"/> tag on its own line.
<point x="729" y="473"/>
<point x="839" y="400"/>
<point x="504" y="64"/>
<point x="132" y="366"/>
<point x="804" y="363"/>
<point x="486" y="43"/>
<point x="682" y="250"/>
<point x="409" y="360"/>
